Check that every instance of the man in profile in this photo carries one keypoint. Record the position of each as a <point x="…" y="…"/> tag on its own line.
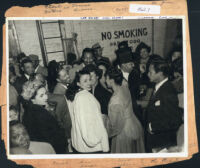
<point x="38" y="68"/>
<point x="163" y="115"/>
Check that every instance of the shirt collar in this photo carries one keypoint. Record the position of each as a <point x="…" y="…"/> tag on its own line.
<point x="125" y="74"/>
<point x="158" y="85"/>
<point x="65" y="86"/>
<point x="27" y="76"/>
<point x="36" y="68"/>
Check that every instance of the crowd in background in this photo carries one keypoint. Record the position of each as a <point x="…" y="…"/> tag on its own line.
<point x="133" y="104"/>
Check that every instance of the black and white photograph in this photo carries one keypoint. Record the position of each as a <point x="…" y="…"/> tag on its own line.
<point x="98" y="87"/>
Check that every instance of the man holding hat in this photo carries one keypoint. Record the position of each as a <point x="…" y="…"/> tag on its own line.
<point x="98" y="51"/>
<point x="38" y="68"/>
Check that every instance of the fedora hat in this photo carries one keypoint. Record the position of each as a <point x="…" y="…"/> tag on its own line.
<point x="96" y="46"/>
<point x="124" y="56"/>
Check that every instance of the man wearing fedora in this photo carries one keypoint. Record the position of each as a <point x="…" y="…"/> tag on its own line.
<point x="38" y="68"/>
<point x="98" y="51"/>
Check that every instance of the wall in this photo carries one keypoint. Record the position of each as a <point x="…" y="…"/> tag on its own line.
<point x="159" y="36"/>
<point x="28" y="37"/>
<point x="108" y="33"/>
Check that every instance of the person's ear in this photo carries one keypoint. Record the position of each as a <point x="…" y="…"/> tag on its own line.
<point x="78" y="84"/>
<point x="33" y="100"/>
<point x="22" y="69"/>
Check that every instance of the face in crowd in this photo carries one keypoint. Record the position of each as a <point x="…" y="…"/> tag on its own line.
<point x="98" y="52"/>
<point x="64" y="77"/>
<point x="175" y="55"/>
<point x="85" y="82"/>
<point x="40" y="78"/>
<point x="13" y="115"/>
<point x="93" y="78"/>
<point x="144" y="54"/>
<point x="153" y="75"/>
<point x="41" y="97"/>
<point x="109" y="82"/>
<point x="19" y="136"/>
<point x="103" y="79"/>
<point x="128" y="67"/>
<point x="28" y="68"/>
<point x="88" y="58"/>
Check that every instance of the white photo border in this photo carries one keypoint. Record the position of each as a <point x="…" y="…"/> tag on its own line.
<point x="89" y="156"/>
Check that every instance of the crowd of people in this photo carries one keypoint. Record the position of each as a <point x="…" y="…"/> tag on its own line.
<point x="133" y="104"/>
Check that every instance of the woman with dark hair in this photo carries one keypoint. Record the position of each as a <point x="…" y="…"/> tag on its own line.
<point x="88" y="134"/>
<point x="53" y="67"/>
<point x="103" y="64"/>
<point x="39" y="122"/>
<point x="122" y="124"/>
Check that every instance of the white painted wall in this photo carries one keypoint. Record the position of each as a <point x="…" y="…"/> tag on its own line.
<point x="90" y="32"/>
<point x="28" y="37"/>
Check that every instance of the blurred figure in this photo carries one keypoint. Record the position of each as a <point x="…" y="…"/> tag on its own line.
<point x="122" y="125"/>
<point x="28" y="73"/>
<point x="178" y="80"/>
<point x="13" y="94"/>
<point x="88" y="134"/>
<point x="63" y="80"/>
<point x="20" y="142"/>
<point x="176" y="53"/>
<point x="88" y="57"/>
<point x="53" y="68"/>
<point x="38" y="68"/>
<point x="103" y="65"/>
<point x="98" y="52"/>
<point x="19" y="139"/>
<point x="13" y="113"/>
<point x="71" y="57"/>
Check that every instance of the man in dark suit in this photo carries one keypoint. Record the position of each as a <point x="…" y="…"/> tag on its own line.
<point x="28" y="73"/>
<point x="163" y="115"/>
<point x="131" y="75"/>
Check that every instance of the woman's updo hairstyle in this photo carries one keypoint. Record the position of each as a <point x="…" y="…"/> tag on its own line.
<point x="30" y="89"/>
<point x="115" y="74"/>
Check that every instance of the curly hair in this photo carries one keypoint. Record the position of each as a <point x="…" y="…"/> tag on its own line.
<point x="30" y="89"/>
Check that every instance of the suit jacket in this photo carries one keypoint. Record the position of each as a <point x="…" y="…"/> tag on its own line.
<point x="59" y="89"/>
<point x="42" y="70"/>
<point x="43" y="127"/>
<point x="165" y="117"/>
<point x="133" y="84"/>
<point x="61" y="112"/>
<point x="19" y="83"/>
<point x="103" y="96"/>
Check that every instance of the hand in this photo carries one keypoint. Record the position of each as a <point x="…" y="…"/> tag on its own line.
<point x="150" y="129"/>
